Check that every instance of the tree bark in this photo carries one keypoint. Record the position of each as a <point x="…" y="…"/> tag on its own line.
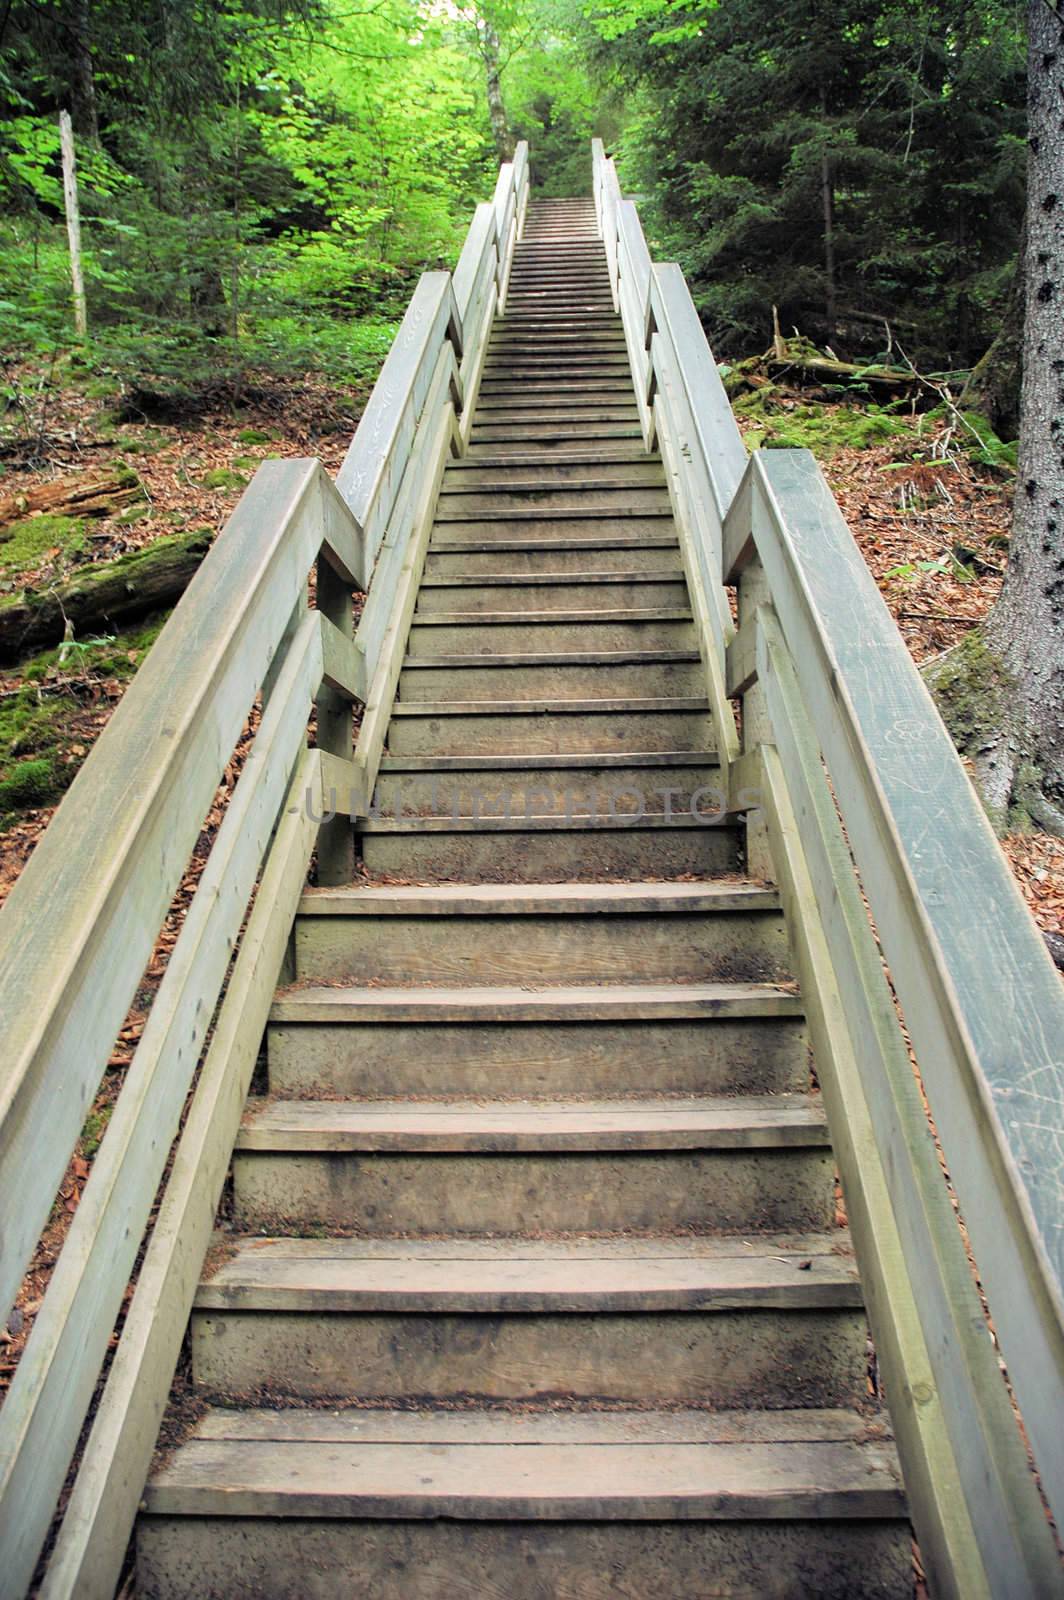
<point x="993" y="388"/>
<point x="489" y="51"/>
<point x="1026" y="627"/>
<point x="827" y="202"/>
<point x="83" y="74"/>
<point x="83" y="494"/>
<point x="109" y="595"/>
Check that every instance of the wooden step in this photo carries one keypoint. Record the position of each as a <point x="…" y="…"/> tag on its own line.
<point x="585" y="473"/>
<point x="550" y="727"/>
<point x="695" y="1039"/>
<point x="477" y="500"/>
<point x="587" y="591"/>
<point x="545" y="786"/>
<point x="612" y="1506"/>
<point x="545" y="558"/>
<point x="525" y="1167"/>
<point x="502" y="934"/>
<point x="552" y="432"/>
<point x="625" y="454"/>
<point x="550" y="849"/>
<point x="491" y="634"/>
<point x="693" y="1321"/>
<point x="567" y="675"/>
<point x="548" y="527"/>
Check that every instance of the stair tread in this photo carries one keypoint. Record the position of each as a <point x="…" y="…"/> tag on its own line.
<point x="504" y="1465"/>
<point x="512" y="1003"/>
<point x="551" y="658"/>
<point x="550" y="822"/>
<point x="714" y="1123"/>
<point x="508" y="619"/>
<point x="518" y="1275"/>
<point x="551" y="580"/>
<point x="536" y="899"/>
<point x="549" y="763"/>
<point x="498" y="708"/>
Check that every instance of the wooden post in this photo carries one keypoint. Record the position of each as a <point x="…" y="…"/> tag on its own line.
<point x="336" y="839"/>
<point x="73" y="222"/>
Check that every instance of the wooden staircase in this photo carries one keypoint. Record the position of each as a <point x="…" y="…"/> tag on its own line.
<point x="533" y="1281"/>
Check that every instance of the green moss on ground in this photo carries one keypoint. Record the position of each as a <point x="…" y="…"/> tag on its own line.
<point x="223" y="478"/>
<point x="974" y="437"/>
<point x="38" y="723"/>
<point x="254" y="436"/>
<point x="823" y="429"/>
<point x="24" y="545"/>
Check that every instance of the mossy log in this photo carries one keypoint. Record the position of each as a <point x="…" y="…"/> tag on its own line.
<point x="106" y="596"/>
<point x="85" y="494"/>
<point x="895" y="380"/>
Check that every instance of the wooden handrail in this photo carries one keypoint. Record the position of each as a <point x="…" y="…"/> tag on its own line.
<point x="980" y="996"/>
<point x="80" y="925"/>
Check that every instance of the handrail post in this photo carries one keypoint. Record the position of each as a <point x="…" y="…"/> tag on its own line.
<point x="756" y="729"/>
<point x="335" y="734"/>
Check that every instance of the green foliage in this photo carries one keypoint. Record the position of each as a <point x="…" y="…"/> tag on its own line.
<point x="823" y="429"/>
<point x="908" y="117"/>
<point x="262" y="177"/>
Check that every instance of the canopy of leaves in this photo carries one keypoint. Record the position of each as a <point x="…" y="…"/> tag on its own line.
<point x="893" y="133"/>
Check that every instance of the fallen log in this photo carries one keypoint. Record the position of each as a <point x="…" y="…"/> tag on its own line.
<point x="896" y="380"/>
<point x="104" y="596"/>
<point x="83" y="494"/>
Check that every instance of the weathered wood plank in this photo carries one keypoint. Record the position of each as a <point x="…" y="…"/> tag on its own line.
<point x="334" y="728"/>
<point x="95" y="1530"/>
<point x="707" y="598"/>
<point x="43" y="1413"/>
<point x="421" y="468"/>
<point x="386" y="660"/>
<point x="637" y="260"/>
<point x="931" y="1469"/>
<point x="115" y="851"/>
<point x="714" y="435"/>
<point x="477" y="241"/>
<point x="741" y="658"/>
<point x="981" y="998"/>
<point x="373" y="467"/>
<point x="1003" y="1505"/>
<point x="343" y="662"/>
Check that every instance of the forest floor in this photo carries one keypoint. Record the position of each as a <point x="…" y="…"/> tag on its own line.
<point x="928" y="506"/>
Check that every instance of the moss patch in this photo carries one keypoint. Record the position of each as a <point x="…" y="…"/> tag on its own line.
<point x="822" y="429"/>
<point x="974" y="437"/>
<point x="253" y="436"/>
<point x="971" y="689"/>
<point x="223" y="478"/>
<point x="25" y="545"/>
<point x="41" y="726"/>
<point x="30" y="783"/>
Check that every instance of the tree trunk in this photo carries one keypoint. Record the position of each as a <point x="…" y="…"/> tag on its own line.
<point x="109" y="595"/>
<point x="1026" y="627"/>
<point x="489" y="50"/>
<point x="993" y="389"/>
<point x="827" y="201"/>
<point x="83" y="76"/>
